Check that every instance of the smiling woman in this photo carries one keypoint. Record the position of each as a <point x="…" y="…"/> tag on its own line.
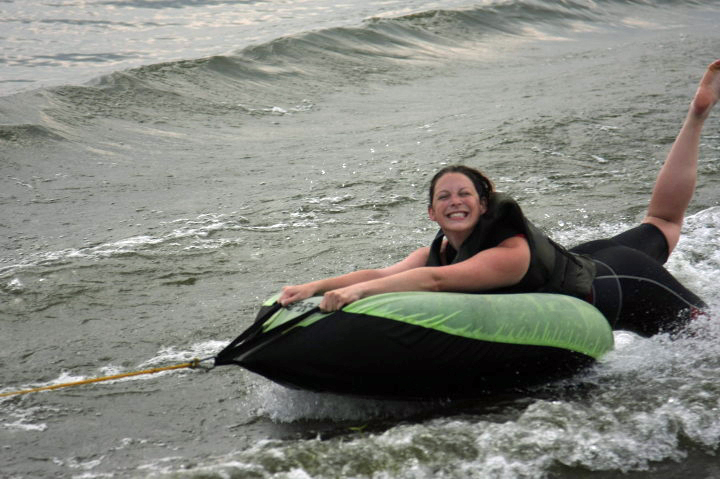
<point x="486" y="244"/>
<point x="458" y="199"/>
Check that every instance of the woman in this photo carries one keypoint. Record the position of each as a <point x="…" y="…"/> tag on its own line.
<point x="485" y="244"/>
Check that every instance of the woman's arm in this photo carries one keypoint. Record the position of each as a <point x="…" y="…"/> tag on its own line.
<point x="290" y="294"/>
<point x="503" y="265"/>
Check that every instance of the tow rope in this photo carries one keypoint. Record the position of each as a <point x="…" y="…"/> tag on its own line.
<point x="195" y="363"/>
<point x="220" y="359"/>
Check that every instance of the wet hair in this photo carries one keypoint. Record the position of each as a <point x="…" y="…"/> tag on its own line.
<point x="483" y="185"/>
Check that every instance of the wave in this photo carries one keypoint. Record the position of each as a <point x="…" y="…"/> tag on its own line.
<point x="22" y="133"/>
<point x="290" y="74"/>
<point x="160" y="4"/>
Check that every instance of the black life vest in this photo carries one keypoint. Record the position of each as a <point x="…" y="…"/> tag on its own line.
<point x="552" y="269"/>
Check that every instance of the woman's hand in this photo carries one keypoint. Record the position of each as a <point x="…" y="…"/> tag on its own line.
<point x="342" y="290"/>
<point x="332" y="300"/>
<point x="291" y="294"/>
<point x="337" y="298"/>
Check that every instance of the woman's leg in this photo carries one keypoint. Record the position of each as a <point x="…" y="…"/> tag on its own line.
<point x="676" y="181"/>
<point x="636" y="293"/>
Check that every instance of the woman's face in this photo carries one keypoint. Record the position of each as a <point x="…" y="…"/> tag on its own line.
<point x="456" y="206"/>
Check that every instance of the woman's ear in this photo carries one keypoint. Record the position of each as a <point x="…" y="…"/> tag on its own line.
<point x="431" y="214"/>
<point x="483" y="206"/>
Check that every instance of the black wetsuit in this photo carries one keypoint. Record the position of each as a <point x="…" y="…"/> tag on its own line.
<point x="632" y="288"/>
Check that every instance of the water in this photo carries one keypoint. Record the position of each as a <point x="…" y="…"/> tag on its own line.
<point x="166" y="166"/>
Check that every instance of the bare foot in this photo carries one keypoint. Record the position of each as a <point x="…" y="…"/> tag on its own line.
<point x="708" y="92"/>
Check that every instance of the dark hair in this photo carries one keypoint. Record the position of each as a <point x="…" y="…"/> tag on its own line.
<point x="482" y="184"/>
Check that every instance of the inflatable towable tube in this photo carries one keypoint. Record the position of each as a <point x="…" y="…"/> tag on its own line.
<point x="420" y="345"/>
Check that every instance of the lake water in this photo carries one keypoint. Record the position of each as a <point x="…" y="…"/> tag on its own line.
<point x="166" y="165"/>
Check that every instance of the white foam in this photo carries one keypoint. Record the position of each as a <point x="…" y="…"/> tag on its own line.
<point x="15" y="418"/>
<point x="696" y="260"/>
<point x="14" y="286"/>
<point x="281" y="404"/>
<point x="75" y="463"/>
<point x="195" y="231"/>
<point x="170" y="354"/>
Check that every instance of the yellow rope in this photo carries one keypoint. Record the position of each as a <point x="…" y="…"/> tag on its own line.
<point x="193" y="364"/>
